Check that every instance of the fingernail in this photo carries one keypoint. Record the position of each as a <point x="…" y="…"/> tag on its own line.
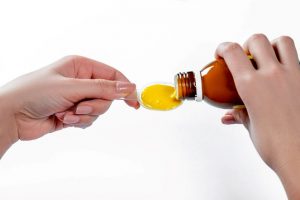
<point x="71" y="119"/>
<point x="83" y="110"/>
<point x="125" y="87"/>
<point x="229" y="119"/>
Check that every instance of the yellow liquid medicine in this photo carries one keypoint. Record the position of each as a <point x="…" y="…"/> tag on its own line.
<point x="159" y="97"/>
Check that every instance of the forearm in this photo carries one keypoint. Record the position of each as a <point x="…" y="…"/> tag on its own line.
<point x="290" y="178"/>
<point x="7" y="125"/>
<point x="5" y="142"/>
<point x="291" y="183"/>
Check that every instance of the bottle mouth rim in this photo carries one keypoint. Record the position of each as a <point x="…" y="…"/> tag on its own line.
<point x="176" y="87"/>
<point x="186" y="86"/>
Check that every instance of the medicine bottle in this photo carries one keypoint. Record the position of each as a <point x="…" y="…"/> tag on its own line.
<point x="213" y="84"/>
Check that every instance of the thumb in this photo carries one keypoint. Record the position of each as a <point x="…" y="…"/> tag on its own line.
<point x="236" y="116"/>
<point x="98" y="88"/>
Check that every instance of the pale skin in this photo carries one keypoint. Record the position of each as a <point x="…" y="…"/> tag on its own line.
<point x="75" y="90"/>
<point x="271" y="94"/>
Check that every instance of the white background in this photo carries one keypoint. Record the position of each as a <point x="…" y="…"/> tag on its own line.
<point x="182" y="154"/>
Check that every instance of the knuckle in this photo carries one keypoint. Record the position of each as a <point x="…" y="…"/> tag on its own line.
<point x="285" y="39"/>
<point x="246" y="79"/>
<point x="257" y="37"/>
<point x="72" y="61"/>
<point x="276" y="72"/>
<point x="244" y="82"/>
<point x="230" y="47"/>
<point x="104" y="108"/>
<point x="83" y="126"/>
<point x="76" y="60"/>
<point x="72" y="57"/>
<point x="99" y="83"/>
<point x="106" y="86"/>
<point x="101" y="107"/>
<point x="273" y="73"/>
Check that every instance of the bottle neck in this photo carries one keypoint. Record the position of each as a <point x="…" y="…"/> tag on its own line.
<point x="188" y="86"/>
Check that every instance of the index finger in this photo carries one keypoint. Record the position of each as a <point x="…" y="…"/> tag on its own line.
<point x="86" y="68"/>
<point x="236" y="59"/>
<point x="103" y="71"/>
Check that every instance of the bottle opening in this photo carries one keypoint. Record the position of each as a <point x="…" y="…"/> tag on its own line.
<point x="185" y="86"/>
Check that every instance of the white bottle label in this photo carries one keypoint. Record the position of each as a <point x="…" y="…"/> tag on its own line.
<point x="198" y="80"/>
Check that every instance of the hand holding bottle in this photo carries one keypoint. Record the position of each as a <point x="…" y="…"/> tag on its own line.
<point x="271" y="94"/>
<point x="71" y="92"/>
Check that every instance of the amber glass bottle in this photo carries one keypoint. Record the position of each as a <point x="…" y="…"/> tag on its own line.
<point x="213" y="84"/>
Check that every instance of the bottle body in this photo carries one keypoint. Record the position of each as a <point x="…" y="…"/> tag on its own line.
<point x="213" y="84"/>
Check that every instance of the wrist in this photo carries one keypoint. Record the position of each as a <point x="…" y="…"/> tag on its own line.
<point x="8" y="129"/>
<point x="289" y="175"/>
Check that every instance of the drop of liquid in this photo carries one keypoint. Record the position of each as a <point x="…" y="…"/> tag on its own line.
<point x="159" y="97"/>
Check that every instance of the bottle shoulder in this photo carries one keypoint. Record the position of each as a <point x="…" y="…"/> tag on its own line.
<point x="219" y="63"/>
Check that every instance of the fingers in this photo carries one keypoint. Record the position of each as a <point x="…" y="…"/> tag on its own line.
<point x="235" y="58"/>
<point x="236" y="116"/>
<point x="103" y="71"/>
<point x="280" y="53"/>
<point x="120" y="77"/>
<point x="92" y="107"/>
<point x="79" y="67"/>
<point x="261" y="50"/>
<point x="70" y="119"/>
<point x="78" y="89"/>
<point x="285" y="49"/>
<point x="98" y="70"/>
<point x="84" y="113"/>
<point x="84" y="68"/>
<point x="80" y="121"/>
